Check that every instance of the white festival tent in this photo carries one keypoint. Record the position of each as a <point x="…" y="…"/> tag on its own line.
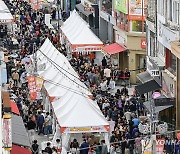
<point x="58" y="74"/>
<point x="77" y="114"/>
<point x="5" y="14"/>
<point x="79" y="35"/>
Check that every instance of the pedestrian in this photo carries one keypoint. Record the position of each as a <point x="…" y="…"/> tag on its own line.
<point x="48" y="124"/>
<point x="98" y="148"/>
<point x="15" y="77"/>
<point x="48" y="148"/>
<point x="104" y="62"/>
<point x="35" y="147"/>
<point x="54" y="151"/>
<point x="57" y="145"/>
<point x="84" y="148"/>
<point x="40" y="122"/>
<point x="31" y="129"/>
<point x="107" y="74"/>
<point x="73" y="146"/>
<point x="104" y="149"/>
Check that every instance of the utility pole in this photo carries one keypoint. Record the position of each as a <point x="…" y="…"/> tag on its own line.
<point x="58" y="3"/>
<point x="35" y="59"/>
<point x="153" y="126"/>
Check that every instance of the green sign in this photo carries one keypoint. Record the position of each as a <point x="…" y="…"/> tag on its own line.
<point x="120" y="5"/>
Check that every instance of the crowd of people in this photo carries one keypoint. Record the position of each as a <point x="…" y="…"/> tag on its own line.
<point x="119" y="106"/>
<point x="30" y="32"/>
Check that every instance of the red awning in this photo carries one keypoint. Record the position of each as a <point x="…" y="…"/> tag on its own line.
<point x="14" y="108"/>
<point x="113" y="48"/>
<point x="18" y="150"/>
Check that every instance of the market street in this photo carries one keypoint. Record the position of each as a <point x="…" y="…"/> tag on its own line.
<point x="89" y="77"/>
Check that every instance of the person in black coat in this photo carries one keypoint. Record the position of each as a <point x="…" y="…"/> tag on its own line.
<point x="31" y="129"/>
<point x="104" y="62"/>
<point x="35" y="147"/>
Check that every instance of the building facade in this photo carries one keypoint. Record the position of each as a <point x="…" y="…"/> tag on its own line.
<point x="162" y="29"/>
<point x="130" y="32"/>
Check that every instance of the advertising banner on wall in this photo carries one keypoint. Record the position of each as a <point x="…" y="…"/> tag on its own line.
<point x="137" y="9"/>
<point x="120" y="5"/>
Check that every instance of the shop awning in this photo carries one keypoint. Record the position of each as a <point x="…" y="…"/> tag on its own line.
<point x="19" y="133"/>
<point x="80" y="7"/>
<point x="18" y="149"/>
<point x="147" y="87"/>
<point x="144" y="77"/>
<point x="147" y="83"/>
<point x="14" y="108"/>
<point x="147" y="105"/>
<point x="113" y="48"/>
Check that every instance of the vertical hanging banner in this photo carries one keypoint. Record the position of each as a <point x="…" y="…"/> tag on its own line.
<point x="39" y="83"/>
<point x="32" y="87"/>
<point x="7" y="131"/>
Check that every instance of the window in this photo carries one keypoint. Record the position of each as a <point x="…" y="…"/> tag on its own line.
<point x="152" y="44"/>
<point x="161" y="7"/>
<point x="136" y="26"/>
<point x="161" y="49"/>
<point x="169" y="10"/>
<point x="173" y="11"/>
<point x="170" y="61"/>
<point x="175" y="16"/>
<point x="151" y="8"/>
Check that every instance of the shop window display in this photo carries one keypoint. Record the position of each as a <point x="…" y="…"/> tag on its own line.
<point x="136" y="26"/>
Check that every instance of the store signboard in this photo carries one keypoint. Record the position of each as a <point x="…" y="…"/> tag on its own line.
<point x="120" y="5"/>
<point x="137" y="9"/>
<point x="143" y="43"/>
<point x="7" y="133"/>
<point x="168" y="85"/>
<point x="154" y="73"/>
<point x="86" y="129"/>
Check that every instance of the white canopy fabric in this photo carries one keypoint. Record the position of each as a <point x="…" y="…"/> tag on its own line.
<point x="59" y="75"/>
<point x="78" y="32"/>
<point x="5" y="14"/>
<point x="73" y="110"/>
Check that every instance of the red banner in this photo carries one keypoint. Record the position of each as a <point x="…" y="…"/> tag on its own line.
<point x="32" y="87"/>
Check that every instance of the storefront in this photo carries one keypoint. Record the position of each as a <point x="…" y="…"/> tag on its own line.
<point x="176" y="51"/>
<point x="135" y="57"/>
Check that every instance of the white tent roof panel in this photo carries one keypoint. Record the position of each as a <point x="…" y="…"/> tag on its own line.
<point x="5" y="14"/>
<point x="62" y="73"/>
<point x="78" y="32"/>
<point x="78" y="111"/>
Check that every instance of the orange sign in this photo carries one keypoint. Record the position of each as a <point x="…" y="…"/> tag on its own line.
<point x="143" y="44"/>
